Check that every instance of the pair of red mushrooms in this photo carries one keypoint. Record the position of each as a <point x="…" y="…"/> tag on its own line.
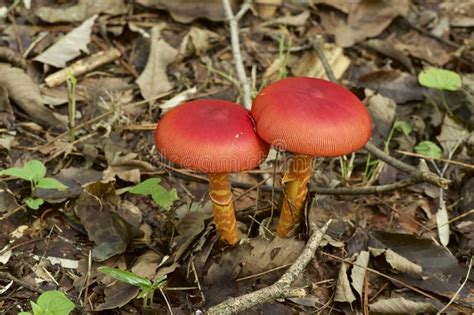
<point x="306" y="116"/>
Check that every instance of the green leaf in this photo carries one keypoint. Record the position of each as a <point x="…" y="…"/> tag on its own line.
<point x="50" y="183"/>
<point x="34" y="203"/>
<point x="440" y="79"/>
<point x="152" y="187"/>
<point x="428" y="148"/>
<point x="17" y="172"/>
<point x="127" y="277"/>
<point x="164" y="198"/>
<point x="37" y="310"/>
<point x="146" y="187"/>
<point x="403" y="126"/>
<point x="54" y="303"/>
<point x="25" y="313"/>
<point x="36" y="169"/>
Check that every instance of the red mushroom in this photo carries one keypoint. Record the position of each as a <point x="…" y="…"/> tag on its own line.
<point x="309" y="117"/>
<point x="216" y="137"/>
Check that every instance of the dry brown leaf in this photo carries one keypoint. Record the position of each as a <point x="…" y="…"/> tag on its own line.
<point x="26" y="94"/>
<point x="401" y="306"/>
<point x="422" y="47"/>
<point x="341" y="5"/>
<point x="452" y="134"/>
<point x="289" y="20"/>
<point x="186" y="11"/>
<point x="81" y="11"/>
<point x="310" y="65"/>
<point x="196" y="41"/>
<point x="267" y="8"/>
<point x="154" y="80"/>
<point x="366" y="19"/>
<point x="343" y="288"/>
<point x="7" y="118"/>
<point x="70" y="46"/>
<point x="460" y="12"/>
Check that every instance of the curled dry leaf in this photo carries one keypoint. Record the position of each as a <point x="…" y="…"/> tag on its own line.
<point x="401" y="306"/>
<point x="196" y="41"/>
<point x="460" y="12"/>
<point x="422" y="47"/>
<point x="343" y="288"/>
<point x="399" y="86"/>
<point x="10" y="56"/>
<point x="397" y="262"/>
<point x="186" y="11"/>
<point x="359" y="270"/>
<point x="366" y="19"/>
<point x="26" y="94"/>
<point x="7" y="118"/>
<point x="154" y="80"/>
<point x="70" y="46"/>
<point x="452" y="134"/>
<point x="386" y="48"/>
<point x="81" y="11"/>
<point x="382" y="111"/>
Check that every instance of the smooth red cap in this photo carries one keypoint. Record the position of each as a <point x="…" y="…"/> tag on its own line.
<point x="211" y="136"/>
<point x="311" y="116"/>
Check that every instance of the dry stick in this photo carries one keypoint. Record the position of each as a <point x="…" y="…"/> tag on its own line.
<point x="83" y="66"/>
<point x="415" y="173"/>
<point x="235" y="43"/>
<point x="279" y="289"/>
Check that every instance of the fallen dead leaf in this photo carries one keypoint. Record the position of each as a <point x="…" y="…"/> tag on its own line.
<point x="70" y="46"/>
<point x="154" y="80"/>
<point x="81" y="11"/>
<point x="186" y="11"/>
<point x="359" y="271"/>
<point x="401" y="306"/>
<point x="399" y="86"/>
<point x="365" y="19"/>
<point x="7" y="118"/>
<point x="452" y="134"/>
<point x="460" y="12"/>
<point x="382" y="111"/>
<point x="197" y="41"/>
<point x="422" y="47"/>
<point x="343" y="288"/>
<point x="26" y="94"/>
<point x="386" y="48"/>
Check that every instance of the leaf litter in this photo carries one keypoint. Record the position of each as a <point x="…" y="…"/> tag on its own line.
<point x="375" y="49"/>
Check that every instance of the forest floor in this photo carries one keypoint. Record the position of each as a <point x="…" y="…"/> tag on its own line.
<point x="83" y="85"/>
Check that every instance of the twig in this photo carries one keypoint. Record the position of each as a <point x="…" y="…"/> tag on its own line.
<point x="324" y="61"/>
<point x="418" y="175"/>
<point x="421" y="156"/>
<point x="279" y="289"/>
<point x="235" y="43"/>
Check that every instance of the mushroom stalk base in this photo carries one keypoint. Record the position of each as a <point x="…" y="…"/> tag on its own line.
<point x="223" y="206"/>
<point x="296" y="179"/>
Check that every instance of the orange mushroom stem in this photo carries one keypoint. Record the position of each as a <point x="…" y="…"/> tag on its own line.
<point x="223" y="207"/>
<point x="296" y="179"/>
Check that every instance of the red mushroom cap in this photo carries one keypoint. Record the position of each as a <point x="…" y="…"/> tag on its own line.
<point x="212" y="136"/>
<point x="311" y="116"/>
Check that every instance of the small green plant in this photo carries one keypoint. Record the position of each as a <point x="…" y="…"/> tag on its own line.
<point x="372" y="166"/>
<point x="147" y="287"/>
<point x="151" y="187"/>
<point x="34" y="171"/>
<point x="51" y="303"/>
<point x="71" y="96"/>
<point x="440" y="79"/>
<point x="429" y="148"/>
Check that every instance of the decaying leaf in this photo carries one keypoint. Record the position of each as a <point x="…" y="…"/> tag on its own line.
<point x="399" y="86"/>
<point x="12" y="57"/>
<point x="96" y="209"/>
<point x="359" y="271"/>
<point x="196" y="41"/>
<point x="386" y="48"/>
<point x="397" y="262"/>
<point x="117" y="295"/>
<point x="365" y="19"/>
<point x="460" y="12"/>
<point x="7" y="118"/>
<point x="70" y="46"/>
<point x="452" y="134"/>
<point x="154" y="80"/>
<point x="422" y="47"/>
<point x="401" y="306"/>
<point x="382" y="111"/>
<point x="341" y="5"/>
<point x="81" y="11"/>
<point x="289" y="20"/>
<point x="309" y="65"/>
<point x="266" y="255"/>
<point x="343" y="288"/>
<point x="26" y="94"/>
<point x="442" y="273"/>
<point x="186" y="11"/>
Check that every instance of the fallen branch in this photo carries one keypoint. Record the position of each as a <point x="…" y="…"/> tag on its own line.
<point x="415" y="173"/>
<point x="235" y="43"/>
<point x="281" y="288"/>
<point x="83" y="66"/>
